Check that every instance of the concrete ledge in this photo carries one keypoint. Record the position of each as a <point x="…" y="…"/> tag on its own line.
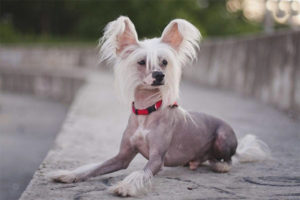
<point x="91" y="133"/>
<point x="93" y="129"/>
<point x="94" y="125"/>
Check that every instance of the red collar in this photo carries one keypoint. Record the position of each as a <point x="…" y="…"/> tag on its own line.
<point x="150" y="109"/>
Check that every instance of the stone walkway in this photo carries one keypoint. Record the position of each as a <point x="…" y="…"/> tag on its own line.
<point x="28" y="126"/>
<point x="93" y="130"/>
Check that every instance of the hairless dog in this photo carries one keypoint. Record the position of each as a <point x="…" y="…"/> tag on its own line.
<point x="148" y="74"/>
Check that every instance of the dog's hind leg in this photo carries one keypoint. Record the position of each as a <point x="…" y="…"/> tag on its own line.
<point x="223" y="149"/>
<point x="193" y="165"/>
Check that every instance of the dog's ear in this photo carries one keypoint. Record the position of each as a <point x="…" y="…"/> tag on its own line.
<point x="172" y="36"/>
<point x="119" y="35"/>
<point x="127" y="36"/>
<point x="183" y="37"/>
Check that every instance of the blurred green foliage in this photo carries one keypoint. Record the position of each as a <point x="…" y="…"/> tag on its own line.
<point x="84" y="20"/>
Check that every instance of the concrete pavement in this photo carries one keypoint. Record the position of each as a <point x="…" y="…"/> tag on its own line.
<point x="93" y="130"/>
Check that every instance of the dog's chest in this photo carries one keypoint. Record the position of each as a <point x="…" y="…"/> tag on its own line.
<point x="138" y="139"/>
<point x="139" y="136"/>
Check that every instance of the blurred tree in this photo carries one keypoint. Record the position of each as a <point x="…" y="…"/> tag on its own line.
<point x="84" y="20"/>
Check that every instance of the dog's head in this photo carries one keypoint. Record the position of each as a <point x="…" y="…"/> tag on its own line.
<point x="151" y="63"/>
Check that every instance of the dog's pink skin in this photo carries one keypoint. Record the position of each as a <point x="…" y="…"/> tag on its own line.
<point x="170" y="142"/>
<point x="174" y="142"/>
<point x="168" y="136"/>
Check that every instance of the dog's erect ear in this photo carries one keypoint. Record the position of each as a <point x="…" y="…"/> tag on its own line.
<point x="183" y="37"/>
<point x="172" y="36"/>
<point x="127" y="36"/>
<point x="119" y="35"/>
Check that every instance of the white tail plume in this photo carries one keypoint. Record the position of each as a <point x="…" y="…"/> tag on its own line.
<point x="251" y="149"/>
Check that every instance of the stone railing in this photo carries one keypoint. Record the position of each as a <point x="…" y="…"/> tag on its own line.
<point x="60" y="85"/>
<point x="54" y="57"/>
<point x="50" y="72"/>
<point x="265" y="67"/>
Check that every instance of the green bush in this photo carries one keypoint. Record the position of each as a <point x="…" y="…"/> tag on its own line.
<point x="8" y="34"/>
<point x="68" y="21"/>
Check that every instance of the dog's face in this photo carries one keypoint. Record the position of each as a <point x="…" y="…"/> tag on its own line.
<point x="151" y="69"/>
<point x="151" y="63"/>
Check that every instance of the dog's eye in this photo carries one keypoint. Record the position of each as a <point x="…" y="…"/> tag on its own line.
<point x="142" y="62"/>
<point x="164" y="62"/>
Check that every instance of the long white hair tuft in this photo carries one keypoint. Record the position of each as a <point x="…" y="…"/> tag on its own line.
<point x="251" y="149"/>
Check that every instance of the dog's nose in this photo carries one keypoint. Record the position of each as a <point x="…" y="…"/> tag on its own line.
<point x="158" y="76"/>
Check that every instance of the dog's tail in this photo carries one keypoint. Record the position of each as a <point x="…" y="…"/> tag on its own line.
<point x="251" y="149"/>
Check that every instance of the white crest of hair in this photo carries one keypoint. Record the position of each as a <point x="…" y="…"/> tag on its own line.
<point x="124" y="54"/>
<point x="251" y="149"/>
<point x="136" y="183"/>
<point x="170" y="91"/>
<point x="154" y="49"/>
<point x="126" y="79"/>
<point x="181" y="56"/>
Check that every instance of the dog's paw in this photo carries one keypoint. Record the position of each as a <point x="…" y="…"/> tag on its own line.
<point x="135" y="184"/>
<point x="64" y="176"/>
<point x="220" y="167"/>
<point x="194" y="165"/>
<point x="123" y="189"/>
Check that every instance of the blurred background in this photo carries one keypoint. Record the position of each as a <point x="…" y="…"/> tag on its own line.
<point x="42" y="42"/>
<point x="28" y="21"/>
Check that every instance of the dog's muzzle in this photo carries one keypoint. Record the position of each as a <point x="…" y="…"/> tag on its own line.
<point x="158" y="78"/>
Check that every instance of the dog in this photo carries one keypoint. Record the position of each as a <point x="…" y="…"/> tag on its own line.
<point x="147" y="75"/>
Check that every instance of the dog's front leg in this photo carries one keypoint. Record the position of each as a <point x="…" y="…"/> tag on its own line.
<point x="121" y="161"/>
<point x="139" y="182"/>
<point x="91" y="170"/>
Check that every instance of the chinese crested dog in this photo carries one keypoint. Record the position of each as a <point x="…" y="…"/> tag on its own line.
<point x="147" y="75"/>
